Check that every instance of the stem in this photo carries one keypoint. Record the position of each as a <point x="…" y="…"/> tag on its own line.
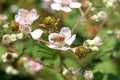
<point x="61" y="65"/>
<point x="79" y="20"/>
<point x="43" y="41"/>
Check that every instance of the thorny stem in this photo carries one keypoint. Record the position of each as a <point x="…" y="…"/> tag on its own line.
<point x="79" y="20"/>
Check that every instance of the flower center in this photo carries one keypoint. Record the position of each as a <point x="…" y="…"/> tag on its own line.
<point x="65" y="2"/>
<point x="58" y="38"/>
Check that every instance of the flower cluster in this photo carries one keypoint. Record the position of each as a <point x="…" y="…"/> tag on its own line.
<point x="56" y="37"/>
<point x="7" y="38"/>
<point x="99" y="16"/>
<point x="109" y="3"/>
<point x="93" y="44"/>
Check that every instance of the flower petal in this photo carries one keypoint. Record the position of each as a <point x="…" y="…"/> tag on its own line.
<point x="75" y="5"/>
<point x="51" y="36"/>
<point x="33" y="15"/>
<point x="55" y="6"/>
<point x="66" y="31"/>
<point x="58" y="48"/>
<point x="66" y="9"/>
<point x="58" y="1"/>
<point x="98" y="40"/>
<point x="71" y="39"/>
<point x="20" y="11"/>
<point x="36" y="34"/>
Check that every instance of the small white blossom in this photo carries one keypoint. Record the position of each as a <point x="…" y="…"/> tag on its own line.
<point x="13" y="37"/>
<point x="6" y="38"/>
<point x="26" y="17"/>
<point x="117" y="33"/>
<point x="14" y="8"/>
<point x="99" y="16"/>
<point x="65" y="5"/>
<point x="98" y="40"/>
<point x="9" y="57"/>
<point x="25" y="29"/>
<point x="5" y="25"/>
<point x="36" y="34"/>
<point x="19" y="35"/>
<point x="3" y="17"/>
<point x="109" y="3"/>
<point x="88" y="75"/>
<point x="93" y="44"/>
<point x="11" y="70"/>
<point x="102" y="15"/>
<point x="62" y="40"/>
<point x="65" y="71"/>
<point x="95" y="18"/>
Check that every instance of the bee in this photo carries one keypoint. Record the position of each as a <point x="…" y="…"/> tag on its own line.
<point x="58" y="38"/>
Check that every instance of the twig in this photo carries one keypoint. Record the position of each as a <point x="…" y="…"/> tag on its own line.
<point x="43" y="41"/>
<point x="79" y="20"/>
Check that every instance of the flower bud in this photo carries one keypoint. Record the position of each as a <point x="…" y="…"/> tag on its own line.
<point x="3" y="17"/>
<point x="13" y="37"/>
<point x="49" y="22"/>
<point x="25" y="29"/>
<point x="11" y="70"/>
<point x="88" y="75"/>
<point x="14" y="26"/>
<point x="9" y="57"/>
<point x="6" y="38"/>
<point x="81" y="51"/>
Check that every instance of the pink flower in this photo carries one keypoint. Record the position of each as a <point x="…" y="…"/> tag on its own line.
<point x="65" y="5"/>
<point x="34" y="66"/>
<point x="26" y="17"/>
<point x="62" y="40"/>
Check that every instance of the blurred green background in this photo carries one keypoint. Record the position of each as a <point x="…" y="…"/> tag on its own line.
<point x="105" y="63"/>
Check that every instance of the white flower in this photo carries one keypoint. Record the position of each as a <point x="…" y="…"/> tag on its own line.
<point x="102" y="15"/>
<point x="36" y="34"/>
<point x="9" y="57"/>
<point x="93" y="44"/>
<point x="6" y="25"/>
<point x="88" y="75"/>
<point x="95" y="18"/>
<point x="25" y="29"/>
<point x="62" y="40"/>
<point x="11" y="70"/>
<point x="99" y="16"/>
<point x="13" y="37"/>
<point x="65" y="5"/>
<point x="98" y="41"/>
<point x="19" y="35"/>
<point x="117" y="33"/>
<point x="14" y="8"/>
<point x="26" y="17"/>
<point x="6" y="38"/>
<point x="3" y="17"/>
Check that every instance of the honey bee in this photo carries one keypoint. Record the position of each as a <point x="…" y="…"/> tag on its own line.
<point x="58" y="38"/>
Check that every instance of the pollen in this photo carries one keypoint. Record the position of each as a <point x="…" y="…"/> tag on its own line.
<point x="58" y="38"/>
